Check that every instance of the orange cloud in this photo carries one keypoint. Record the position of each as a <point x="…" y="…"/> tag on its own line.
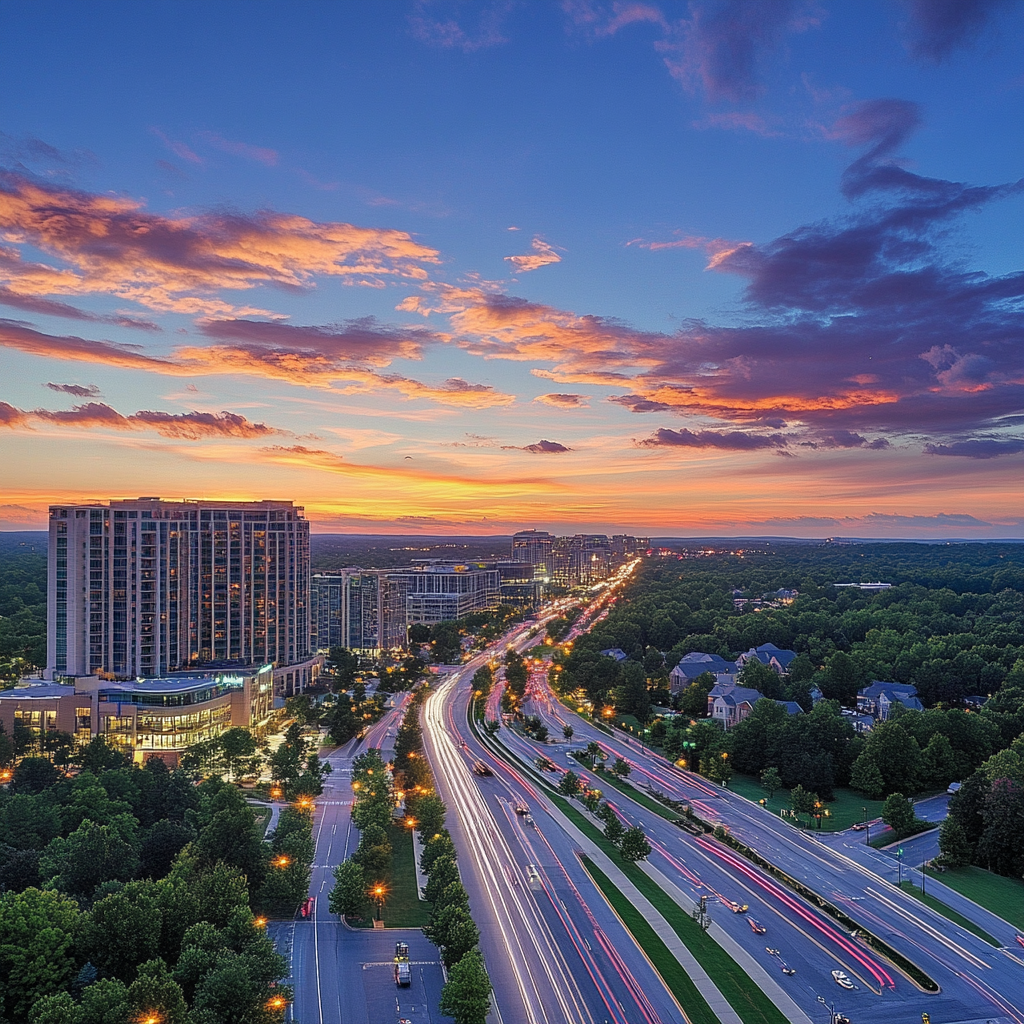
<point x="191" y="426"/>
<point x="542" y="255"/>
<point x="563" y="401"/>
<point x="112" y="246"/>
<point x="301" y="367"/>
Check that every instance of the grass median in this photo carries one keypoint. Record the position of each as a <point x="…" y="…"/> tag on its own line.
<point x="948" y="912"/>
<point x="635" y="794"/>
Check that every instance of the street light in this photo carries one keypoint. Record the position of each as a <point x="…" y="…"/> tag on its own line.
<point x="867" y="825"/>
<point x="379" y="892"/>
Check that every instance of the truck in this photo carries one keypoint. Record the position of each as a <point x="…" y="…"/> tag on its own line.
<point x="403" y="972"/>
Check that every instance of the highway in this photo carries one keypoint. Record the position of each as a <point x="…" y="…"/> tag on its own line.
<point x="978" y="982"/>
<point x="554" y="949"/>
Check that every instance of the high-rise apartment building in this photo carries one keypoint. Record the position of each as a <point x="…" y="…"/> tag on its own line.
<point x="141" y="588"/>
<point x="363" y="610"/>
<point x="535" y="547"/>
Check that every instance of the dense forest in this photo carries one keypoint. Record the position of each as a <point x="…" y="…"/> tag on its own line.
<point x="22" y="604"/>
<point x="126" y="891"/>
<point x="952" y="625"/>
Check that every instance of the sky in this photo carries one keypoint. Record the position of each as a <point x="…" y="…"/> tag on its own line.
<point x="668" y="268"/>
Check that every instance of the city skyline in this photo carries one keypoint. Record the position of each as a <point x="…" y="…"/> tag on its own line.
<point x="678" y="270"/>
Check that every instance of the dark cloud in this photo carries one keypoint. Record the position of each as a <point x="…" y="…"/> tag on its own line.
<point x="363" y="341"/>
<point x="725" y="43"/>
<point x="846" y="439"/>
<point x="540" y="448"/>
<point x="937" y="27"/>
<point x="78" y="390"/>
<point x="979" y="448"/>
<point x="732" y="440"/>
<point x="637" y="403"/>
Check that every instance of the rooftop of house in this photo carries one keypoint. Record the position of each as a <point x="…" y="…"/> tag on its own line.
<point x="732" y="694"/>
<point x="615" y="652"/>
<point x="877" y="688"/>
<point x="791" y="706"/>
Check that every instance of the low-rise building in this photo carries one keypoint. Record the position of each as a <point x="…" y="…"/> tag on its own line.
<point x="730" y="704"/>
<point x="160" y="716"/>
<point x="878" y="699"/>
<point x="770" y="655"/>
<point x="696" y="663"/>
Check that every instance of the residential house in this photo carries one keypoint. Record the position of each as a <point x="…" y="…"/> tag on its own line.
<point x="730" y="704"/>
<point x="878" y="699"/>
<point x="615" y="652"/>
<point x="770" y="655"/>
<point x="697" y="663"/>
<point x="791" y="706"/>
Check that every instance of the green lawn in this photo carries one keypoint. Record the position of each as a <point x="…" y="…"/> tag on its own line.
<point x="1003" y="896"/>
<point x="847" y="809"/>
<point x="262" y="817"/>
<point x="404" y="908"/>
<point x="929" y="900"/>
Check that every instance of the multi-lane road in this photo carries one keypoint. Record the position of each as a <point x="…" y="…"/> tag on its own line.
<point x="555" y="950"/>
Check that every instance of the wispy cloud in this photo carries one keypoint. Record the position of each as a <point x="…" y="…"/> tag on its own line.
<point x="261" y="154"/>
<point x="51" y="307"/>
<point x="542" y="255"/>
<point x="180" y="149"/>
<point x="78" y="390"/>
<point x="469" y="27"/>
<point x="733" y="440"/>
<point x="540" y="448"/>
<point x="191" y="426"/>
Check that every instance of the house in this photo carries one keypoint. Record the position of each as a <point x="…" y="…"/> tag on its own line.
<point x="770" y="655"/>
<point x="816" y="695"/>
<point x="878" y="699"/>
<point x="861" y="723"/>
<point x="615" y="652"/>
<point x="782" y="597"/>
<point x="730" y="704"/>
<point x="696" y="663"/>
<point x="791" y="706"/>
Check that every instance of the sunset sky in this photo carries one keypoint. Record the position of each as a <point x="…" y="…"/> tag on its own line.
<point x="669" y="268"/>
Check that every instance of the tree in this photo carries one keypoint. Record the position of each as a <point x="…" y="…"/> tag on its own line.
<point x="634" y="845"/>
<point x="897" y="755"/>
<point x="348" y="897"/>
<point x="466" y="994"/>
<point x="614" y="830"/>
<point x="631" y="697"/>
<point x="442" y="873"/>
<point x="954" y="847"/>
<point x="452" y="929"/>
<point x="345" y="665"/>
<point x="438" y="845"/>
<point x="567" y="731"/>
<point x="1000" y="848"/>
<point x="898" y="814"/>
<point x="237" y="744"/>
<point x="803" y="801"/>
<point x="162" y="843"/>
<point x="123" y="930"/>
<point x="430" y="815"/>
<point x="866" y="778"/>
<point x="570" y="784"/>
<point x="92" y="854"/>
<point x="155" y="993"/>
<point x="771" y="781"/>
<point x="841" y="679"/>
<point x="37" y="931"/>
<point x="33" y="775"/>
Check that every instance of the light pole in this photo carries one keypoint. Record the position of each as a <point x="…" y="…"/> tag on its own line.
<point x="899" y="864"/>
<point x="867" y="826"/>
<point x="379" y="892"/>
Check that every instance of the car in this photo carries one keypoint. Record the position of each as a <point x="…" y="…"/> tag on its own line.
<point x="479" y="768"/>
<point x="842" y="979"/>
<point x="786" y="969"/>
<point x="528" y="818"/>
<point x="840" y="1018"/>
<point x="756" y="927"/>
<point x="860" y="826"/>
<point x="738" y="908"/>
<point x="770" y="951"/>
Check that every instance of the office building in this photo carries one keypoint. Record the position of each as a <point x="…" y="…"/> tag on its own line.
<point x="143" y="588"/>
<point x="439" y="592"/>
<point x="147" y="716"/>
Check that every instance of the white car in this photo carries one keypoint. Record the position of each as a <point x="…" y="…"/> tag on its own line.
<point x="842" y="979"/>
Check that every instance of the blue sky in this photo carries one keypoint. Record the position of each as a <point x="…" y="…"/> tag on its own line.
<point x="767" y="241"/>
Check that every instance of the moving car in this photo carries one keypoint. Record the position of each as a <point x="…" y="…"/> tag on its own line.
<point x="479" y="768"/>
<point x="842" y="979"/>
<point x="403" y="970"/>
<point x="738" y="908"/>
<point x="306" y="910"/>
<point x="756" y="927"/>
<point x="786" y="969"/>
